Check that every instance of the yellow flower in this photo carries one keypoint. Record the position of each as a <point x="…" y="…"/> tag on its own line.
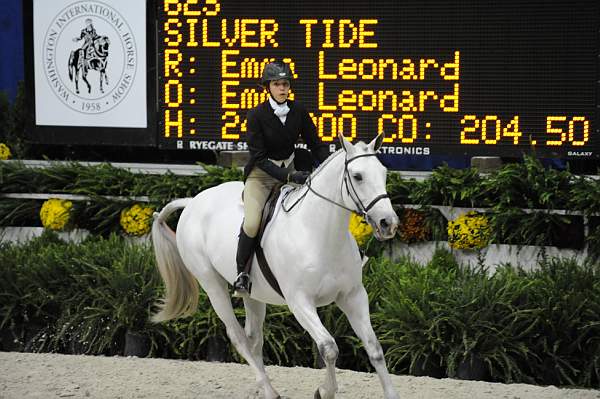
<point x="360" y="229"/>
<point x="469" y="231"/>
<point x="4" y="152"/>
<point x="137" y="219"/>
<point x="55" y="213"/>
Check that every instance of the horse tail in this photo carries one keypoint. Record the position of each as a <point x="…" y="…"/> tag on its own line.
<point x="71" y="65"/>
<point x="181" y="294"/>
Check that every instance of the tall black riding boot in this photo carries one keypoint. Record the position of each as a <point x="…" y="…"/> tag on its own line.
<point x="243" y="258"/>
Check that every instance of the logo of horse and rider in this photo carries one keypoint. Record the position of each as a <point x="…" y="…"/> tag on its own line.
<point x="92" y="55"/>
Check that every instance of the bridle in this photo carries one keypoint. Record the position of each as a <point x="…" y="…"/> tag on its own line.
<point x="350" y="191"/>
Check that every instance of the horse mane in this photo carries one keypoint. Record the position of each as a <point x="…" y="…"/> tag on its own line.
<point x="297" y="190"/>
<point x="326" y="162"/>
<point x="360" y="145"/>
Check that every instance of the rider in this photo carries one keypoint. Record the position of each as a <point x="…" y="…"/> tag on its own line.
<point x="88" y="34"/>
<point x="274" y="127"/>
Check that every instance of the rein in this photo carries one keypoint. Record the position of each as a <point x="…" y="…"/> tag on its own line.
<point x="362" y="209"/>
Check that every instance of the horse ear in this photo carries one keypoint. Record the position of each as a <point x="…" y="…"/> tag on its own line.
<point x="346" y="145"/>
<point x="377" y="142"/>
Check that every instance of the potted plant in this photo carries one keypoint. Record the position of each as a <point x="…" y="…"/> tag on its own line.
<point x="117" y="293"/>
<point x="411" y="320"/>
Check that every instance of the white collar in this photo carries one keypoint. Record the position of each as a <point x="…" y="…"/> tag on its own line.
<point x="275" y="105"/>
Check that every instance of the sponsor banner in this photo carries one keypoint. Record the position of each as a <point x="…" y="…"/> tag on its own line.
<point x="90" y="63"/>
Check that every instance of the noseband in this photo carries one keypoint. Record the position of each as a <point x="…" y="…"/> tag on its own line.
<point x="350" y="190"/>
<point x="352" y="193"/>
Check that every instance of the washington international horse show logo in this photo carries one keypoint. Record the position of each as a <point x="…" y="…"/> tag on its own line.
<point x="90" y="57"/>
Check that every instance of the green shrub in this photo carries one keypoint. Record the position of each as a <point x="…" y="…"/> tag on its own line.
<point x="411" y="322"/>
<point x="35" y="283"/>
<point x="529" y="185"/>
<point x="515" y="186"/>
<point x="566" y="337"/>
<point x="447" y="186"/>
<point x="12" y="122"/>
<point x="115" y="297"/>
<point x="537" y="326"/>
<point x="101" y="213"/>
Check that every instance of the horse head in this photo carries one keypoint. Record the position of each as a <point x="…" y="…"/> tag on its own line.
<point x="101" y="45"/>
<point x="364" y="186"/>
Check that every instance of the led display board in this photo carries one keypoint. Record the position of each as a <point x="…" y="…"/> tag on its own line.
<point x="476" y="77"/>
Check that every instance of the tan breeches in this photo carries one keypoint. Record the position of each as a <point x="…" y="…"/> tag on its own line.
<point x="257" y="188"/>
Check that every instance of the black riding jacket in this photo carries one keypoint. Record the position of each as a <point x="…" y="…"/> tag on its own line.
<point x="268" y="138"/>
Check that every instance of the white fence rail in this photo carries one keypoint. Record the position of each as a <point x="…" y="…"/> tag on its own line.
<point x="147" y="168"/>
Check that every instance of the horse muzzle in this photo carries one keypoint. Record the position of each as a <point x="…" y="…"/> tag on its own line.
<point x="385" y="228"/>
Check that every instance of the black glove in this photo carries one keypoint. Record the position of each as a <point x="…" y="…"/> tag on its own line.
<point x="298" y="177"/>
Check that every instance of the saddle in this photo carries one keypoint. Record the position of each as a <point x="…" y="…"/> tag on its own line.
<point x="267" y="215"/>
<point x="303" y="160"/>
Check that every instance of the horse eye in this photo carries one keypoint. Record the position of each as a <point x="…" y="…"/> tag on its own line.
<point x="357" y="177"/>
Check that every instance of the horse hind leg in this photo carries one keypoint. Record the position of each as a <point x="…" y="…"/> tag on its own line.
<point x="217" y="290"/>
<point x="356" y="307"/>
<point x="306" y="314"/>
<point x="76" y="77"/>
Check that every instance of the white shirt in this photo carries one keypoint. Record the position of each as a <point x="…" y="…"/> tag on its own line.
<point x="281" y="110"/>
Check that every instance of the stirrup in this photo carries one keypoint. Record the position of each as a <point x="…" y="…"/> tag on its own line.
<point x="242" y="285"/>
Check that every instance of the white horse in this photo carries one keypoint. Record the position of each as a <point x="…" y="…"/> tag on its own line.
<point x="309" y="249"/>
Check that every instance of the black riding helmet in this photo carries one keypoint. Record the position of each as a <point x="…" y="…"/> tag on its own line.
<point x="274" y="71"/>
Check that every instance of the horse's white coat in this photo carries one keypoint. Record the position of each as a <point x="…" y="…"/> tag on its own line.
<point x="310" y="250"/>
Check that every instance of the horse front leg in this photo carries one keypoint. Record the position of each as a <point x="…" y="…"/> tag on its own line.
<point x="306" y="314"/>
<point x="255" y="317"/>
<point x="101" y="87"/>
<point x="356" y="307"/>
<point x="84" y="77"/>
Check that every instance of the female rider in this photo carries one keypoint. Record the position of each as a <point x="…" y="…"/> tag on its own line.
<point x="274" y="127"/>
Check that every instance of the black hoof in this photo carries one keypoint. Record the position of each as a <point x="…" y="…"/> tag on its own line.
<point x="317" y="394"/>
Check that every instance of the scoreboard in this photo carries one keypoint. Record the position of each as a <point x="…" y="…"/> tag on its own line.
<point x="438" y="77"/>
